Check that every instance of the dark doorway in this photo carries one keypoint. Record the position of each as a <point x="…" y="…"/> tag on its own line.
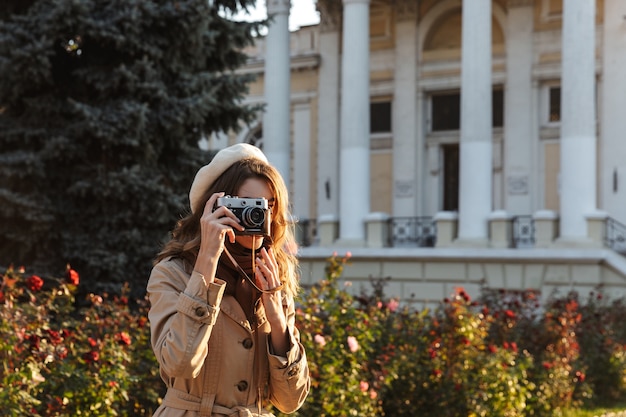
<point x="450" y="177"/>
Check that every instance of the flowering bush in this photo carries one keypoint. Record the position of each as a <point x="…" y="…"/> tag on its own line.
<point x="61" y="359"/>
<point x="368" y="357"/>
<point x="340" y="341"/>
<point x="504" y="354"/>
<point x="551" y="333"/>
<point x="603" y="347"/>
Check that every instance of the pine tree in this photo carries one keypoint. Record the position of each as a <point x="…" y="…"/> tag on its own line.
<point x="102" y="104"/>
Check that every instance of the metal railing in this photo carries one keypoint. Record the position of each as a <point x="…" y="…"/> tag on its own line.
<point x="615" y="235"/>
<point x="412" y="232"/>
<point x="422" y="232"/>
<point x="523" y="232"/>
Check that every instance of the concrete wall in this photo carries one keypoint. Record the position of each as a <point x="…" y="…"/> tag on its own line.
<point x="424" y="277"/>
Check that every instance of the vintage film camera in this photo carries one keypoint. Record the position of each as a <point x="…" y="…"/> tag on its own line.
<point x="254" y="213"/>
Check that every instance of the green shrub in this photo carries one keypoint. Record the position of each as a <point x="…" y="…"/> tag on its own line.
<point x="502" y="355"/>
<point x="61" y="359"/>
<point x="340" y="341"/>
<point x="407" y="360"/>
<point x="602" y="338"/>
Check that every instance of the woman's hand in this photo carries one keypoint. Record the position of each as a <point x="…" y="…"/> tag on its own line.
<point x="215" y="226"/>
<point x="267" y="279"/>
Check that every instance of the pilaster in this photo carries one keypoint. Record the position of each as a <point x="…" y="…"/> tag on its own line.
<point x="328" y="119"/>
<point x="519" y="164"/>
<point x="405" y="126"/>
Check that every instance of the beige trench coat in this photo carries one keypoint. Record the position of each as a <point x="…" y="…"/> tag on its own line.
<point x="206" y="349"/>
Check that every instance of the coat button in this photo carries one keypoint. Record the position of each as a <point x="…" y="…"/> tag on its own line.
<point x="247" y="343"/>
<point x="293" y="371"/>
<point x="200" y="311"/>
<point x="242" y="386"/>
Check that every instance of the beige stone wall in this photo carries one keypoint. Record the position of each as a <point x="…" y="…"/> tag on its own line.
<point x="381" y="181"/>
<point x="552" y="166"/>
<point x="424" y="277"/>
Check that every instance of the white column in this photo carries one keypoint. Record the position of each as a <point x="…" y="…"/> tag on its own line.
<point x="406" y="155"/>
<point x="276" y="120"/>
<point x="328" y="110"/>
<point x="519" y="136"/>
<point x="355" y="130"/>
<point x="475" y="189"/>
<point x="578" y="119"/>
<point x="613" y="103"/>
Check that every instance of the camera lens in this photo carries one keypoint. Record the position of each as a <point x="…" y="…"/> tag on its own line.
<point x="253" y="216"/>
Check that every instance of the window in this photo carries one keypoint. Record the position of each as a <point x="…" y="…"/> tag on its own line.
<point x="497" y="99"/>
<point x="555" y="105"/>
<point x="446" y="110"/>
<point x="380" y="117"/>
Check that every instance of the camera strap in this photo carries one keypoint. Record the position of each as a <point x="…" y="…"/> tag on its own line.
<point x="250" y="280"/>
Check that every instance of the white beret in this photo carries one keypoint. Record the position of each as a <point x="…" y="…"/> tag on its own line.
<point x="220" y="163"/>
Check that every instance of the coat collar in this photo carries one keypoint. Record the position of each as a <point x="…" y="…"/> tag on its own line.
<point x="231" y="308"/>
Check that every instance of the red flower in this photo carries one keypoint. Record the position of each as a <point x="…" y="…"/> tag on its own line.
<point x="91" y="357"/>
<point x="142" y="321"/>
<point x="34" y="341"/>
<point x="509" y="314"/>
<point x="580" y="376"/>
<point x="72" y="276"/>
<point x="55" y="404"/>
<point x="492" y="349"/>
<point x="547" y="365"/>
<point x="123" y="338"/>
<point x="54" y="337"/>
<point x="92" y="342"/>
<point x="34" y="283"/>
<point x="61" y="352"/>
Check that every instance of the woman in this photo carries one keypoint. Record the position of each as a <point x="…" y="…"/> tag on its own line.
<point x="222" y="310"/>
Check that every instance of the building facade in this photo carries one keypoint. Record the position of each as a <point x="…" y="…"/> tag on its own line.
<point x="451" y="142"/>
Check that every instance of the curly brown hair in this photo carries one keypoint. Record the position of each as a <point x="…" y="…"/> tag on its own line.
<point x="185" y="238"/>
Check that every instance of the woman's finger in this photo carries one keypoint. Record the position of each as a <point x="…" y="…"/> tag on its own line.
<point x="210" y="204"/>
